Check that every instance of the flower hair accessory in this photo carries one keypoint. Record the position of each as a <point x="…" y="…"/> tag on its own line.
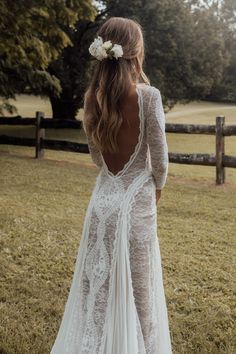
<point x="102" y="50"/>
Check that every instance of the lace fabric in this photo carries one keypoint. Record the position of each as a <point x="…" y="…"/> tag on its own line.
<point x="116" y="303"/>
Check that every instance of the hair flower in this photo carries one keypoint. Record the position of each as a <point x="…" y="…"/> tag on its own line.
<point x="101" y="50"/>
<point x="117" y="51"/>
<point x="107" y="45"/>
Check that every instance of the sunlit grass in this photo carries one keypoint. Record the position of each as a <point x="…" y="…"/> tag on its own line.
<point x="43" y="208"/>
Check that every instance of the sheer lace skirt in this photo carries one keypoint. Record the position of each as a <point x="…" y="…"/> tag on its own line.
<point x="117" y="302"/>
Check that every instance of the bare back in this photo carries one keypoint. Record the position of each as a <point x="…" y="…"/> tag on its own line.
<point x="141" y="139"/>
<point x="128" y="135"/>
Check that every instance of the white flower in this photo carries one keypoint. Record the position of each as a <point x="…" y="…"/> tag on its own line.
<point x="101" y="53"/>
<point x="101" y="50"/>
<point x="95" y="45"/>
<point x="97" y="50"/>
<point x="117" y="51"/>
<point x="107" y="45"/>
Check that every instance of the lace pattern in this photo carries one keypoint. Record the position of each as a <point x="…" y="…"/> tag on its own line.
<point x="116" y="303"/>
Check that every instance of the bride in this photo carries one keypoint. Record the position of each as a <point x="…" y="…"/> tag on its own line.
<point x="116" y="303"/>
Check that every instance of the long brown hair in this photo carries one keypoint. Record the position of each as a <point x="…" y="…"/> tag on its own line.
<point x="111" y="82"/>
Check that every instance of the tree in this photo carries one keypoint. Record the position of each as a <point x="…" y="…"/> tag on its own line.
<point x="226" y="89"/>
<point x="73" y="69"/>
<point x="184" y="48"/>
<point x="178" y="61"/>
<point x="33" y="35"/>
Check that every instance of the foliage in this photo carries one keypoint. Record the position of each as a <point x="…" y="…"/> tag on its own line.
<point x="190" y="48"/>
<point x="32" y="35"/>
<point x="184" y="48"/>
<point x="226" y="89"/>
<point x="72" y="68"/>
<point x="178" y="61"/>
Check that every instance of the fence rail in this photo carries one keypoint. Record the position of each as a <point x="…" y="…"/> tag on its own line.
<point x="48" y="123"/>
<point x="228" y="130"/>
<point x="220" y="130"/>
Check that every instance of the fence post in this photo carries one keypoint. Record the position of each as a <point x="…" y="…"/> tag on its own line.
<point x="220" y="150"/>
<point x="39" y="135"/>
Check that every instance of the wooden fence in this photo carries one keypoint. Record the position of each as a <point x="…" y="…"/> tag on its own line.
<point x="220" y="130"/>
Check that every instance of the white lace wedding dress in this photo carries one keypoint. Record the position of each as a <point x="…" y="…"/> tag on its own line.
<point x="116" y="303"/>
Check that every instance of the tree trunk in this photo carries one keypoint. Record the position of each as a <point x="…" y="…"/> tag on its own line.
<point x="63" y="107"/>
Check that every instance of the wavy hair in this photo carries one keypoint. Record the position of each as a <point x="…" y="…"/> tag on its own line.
<point x="111" y="82"/>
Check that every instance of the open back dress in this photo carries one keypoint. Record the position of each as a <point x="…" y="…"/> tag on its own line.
<point x="116" y="303"/>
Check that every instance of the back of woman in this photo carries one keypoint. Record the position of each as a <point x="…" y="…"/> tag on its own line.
<point x="128" y="134"/>
<point x="116" y="303"/>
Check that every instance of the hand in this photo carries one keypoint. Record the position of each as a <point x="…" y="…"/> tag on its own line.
<point x="158" y="194"/>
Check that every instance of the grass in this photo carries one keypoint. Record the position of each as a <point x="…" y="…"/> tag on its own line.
<point x="27" y="105"/>
<point x="41" y="218"/>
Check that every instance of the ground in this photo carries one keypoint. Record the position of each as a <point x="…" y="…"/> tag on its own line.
<point x="43" y="204"/>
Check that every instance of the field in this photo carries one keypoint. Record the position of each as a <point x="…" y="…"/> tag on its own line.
<point x="43" y="204"/>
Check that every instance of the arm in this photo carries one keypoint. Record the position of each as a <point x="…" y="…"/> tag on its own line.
<point x="94" y="152"/>
<point x="156" y="139"/>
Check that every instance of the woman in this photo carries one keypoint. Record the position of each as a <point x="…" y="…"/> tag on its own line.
<point x="116" y="303"/>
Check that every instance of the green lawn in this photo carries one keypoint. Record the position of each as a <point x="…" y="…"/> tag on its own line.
<point x="43" y="203"/>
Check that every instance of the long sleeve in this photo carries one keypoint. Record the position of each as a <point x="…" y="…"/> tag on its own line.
<point x="94" y="152"/>
<point x="156" y="139"/>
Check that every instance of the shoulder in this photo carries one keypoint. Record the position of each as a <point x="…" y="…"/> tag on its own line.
<point x="147" y="87"/>
<point x="151" y="97"/>
<point x="149" y="91"/>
